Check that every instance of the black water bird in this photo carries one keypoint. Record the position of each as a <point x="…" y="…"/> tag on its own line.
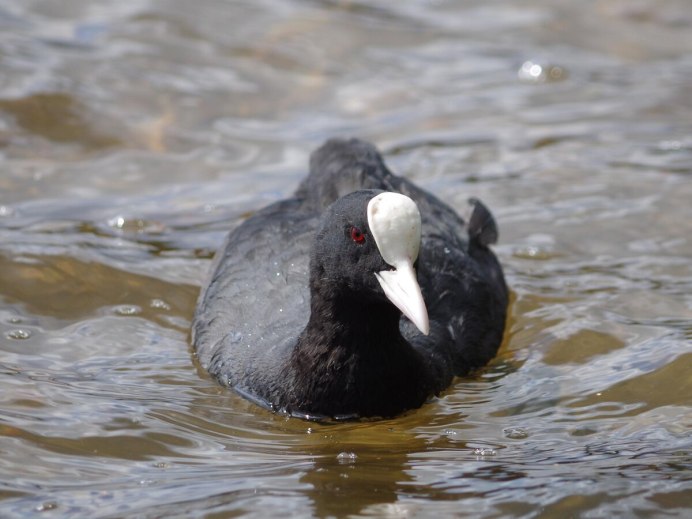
<point x="362" y="295"/>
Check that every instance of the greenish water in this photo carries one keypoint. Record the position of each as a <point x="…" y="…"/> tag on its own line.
<point x="134" y="134"/>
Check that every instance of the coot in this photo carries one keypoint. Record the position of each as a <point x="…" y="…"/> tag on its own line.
<point x="360" y="296"/>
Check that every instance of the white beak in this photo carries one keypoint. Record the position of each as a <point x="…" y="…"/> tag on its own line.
<point x="401" y="288"/>
<point x="395" y="224"/>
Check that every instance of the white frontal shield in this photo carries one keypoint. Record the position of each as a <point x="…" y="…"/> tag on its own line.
<point x="395" y="224"/>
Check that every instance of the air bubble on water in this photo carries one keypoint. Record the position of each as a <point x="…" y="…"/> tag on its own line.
<point x="516" y="433"/>
<point x="136" y="225"/>
<point x="18" y="334"/>
<point x="451" y="434"/>
<point x="534" y="72"/>
<point x="484" y="451"/>
<point x="47" y="506"/>
<point x="530" y="71"/>
<point x="533" y="252"/>
<point x="118" y="222"/>
<point x="159" y="303"/>
<point x="537" y="246"/>
<point x="127" y="310"/>
<point x="347" y="458"/>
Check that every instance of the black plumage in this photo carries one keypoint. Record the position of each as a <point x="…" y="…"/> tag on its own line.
<point x="293" y="317"/>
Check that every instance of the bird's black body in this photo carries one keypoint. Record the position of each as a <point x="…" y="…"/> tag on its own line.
<point x="294" y="319"/>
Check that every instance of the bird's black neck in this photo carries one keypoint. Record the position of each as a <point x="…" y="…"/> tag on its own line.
<point x="346" y="318"/>
<point x="351" y="359"/>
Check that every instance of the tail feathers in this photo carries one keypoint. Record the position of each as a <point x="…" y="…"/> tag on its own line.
<point x="482" y="228"/>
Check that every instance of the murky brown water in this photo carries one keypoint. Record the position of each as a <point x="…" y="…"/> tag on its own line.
<point x="134" y="134"/>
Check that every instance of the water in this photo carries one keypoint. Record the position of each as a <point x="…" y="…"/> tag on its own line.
<point x="134" y="134"/>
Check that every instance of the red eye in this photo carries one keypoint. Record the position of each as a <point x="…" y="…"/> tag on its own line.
<point x="357" y="235"/>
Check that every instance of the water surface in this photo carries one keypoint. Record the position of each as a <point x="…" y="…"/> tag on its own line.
<point x="134" y="135"/>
